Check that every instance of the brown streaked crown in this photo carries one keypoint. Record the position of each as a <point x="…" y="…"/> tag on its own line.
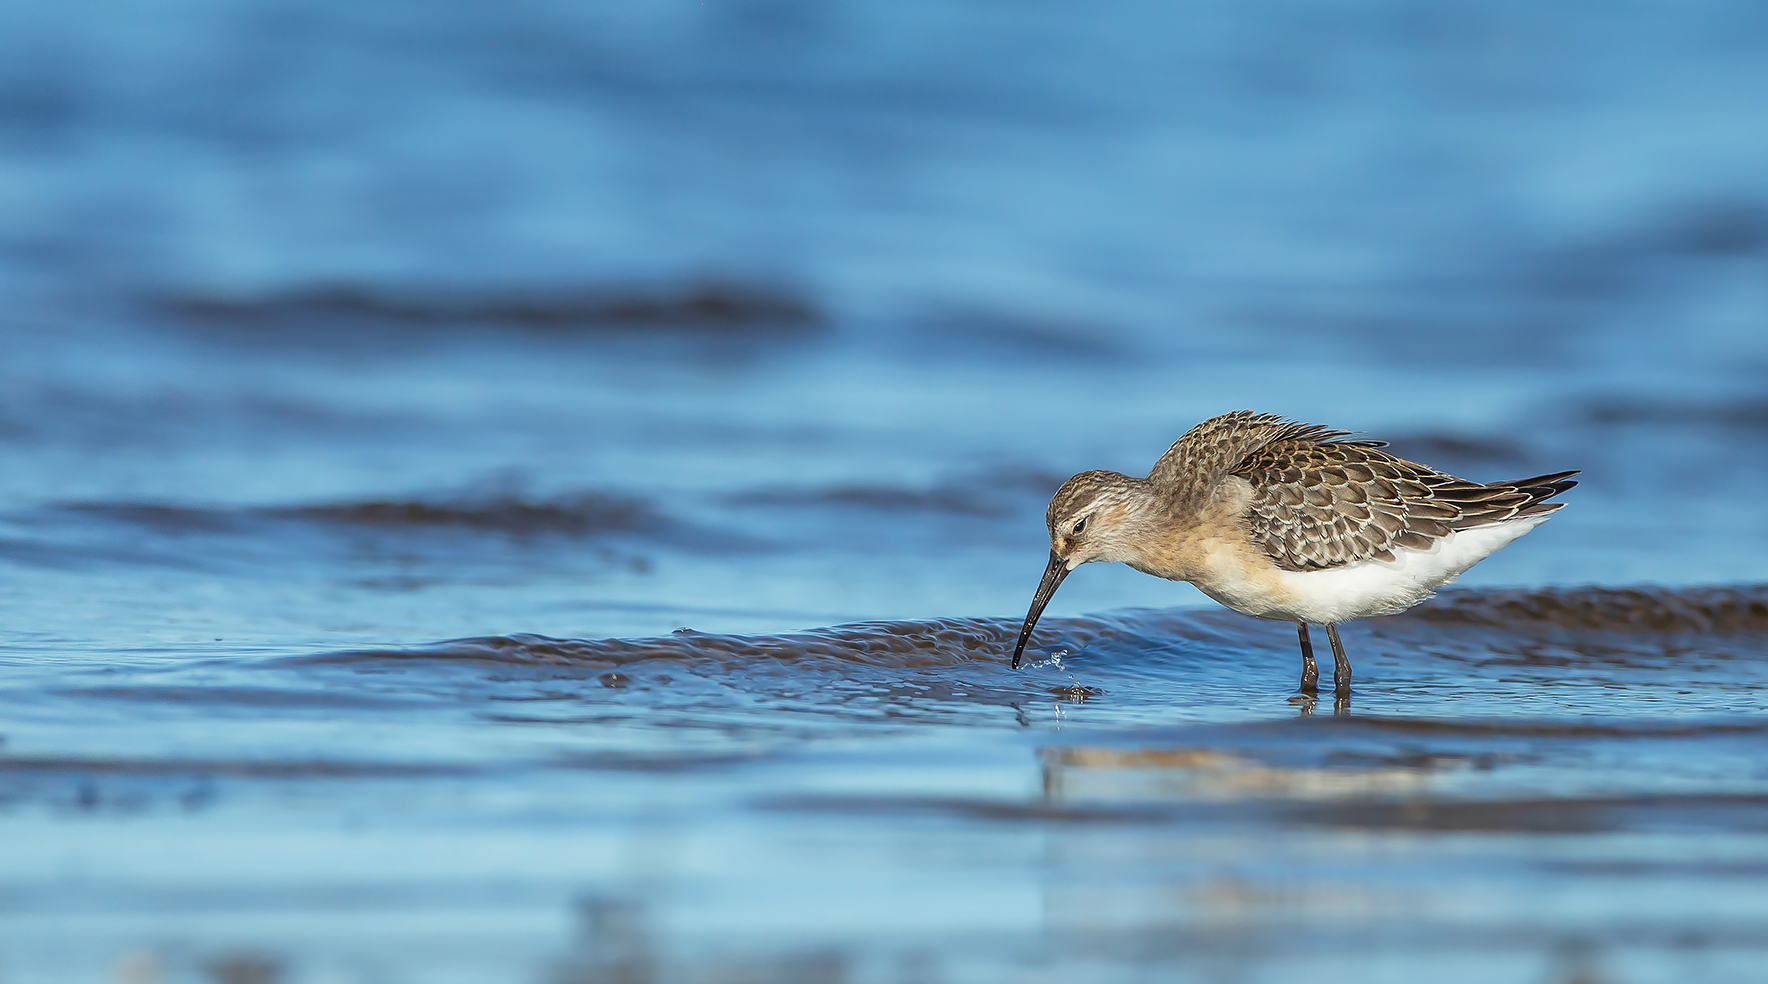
<point x="1083" y="493"/>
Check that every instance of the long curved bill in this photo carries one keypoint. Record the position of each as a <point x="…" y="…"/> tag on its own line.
<point x="1046" y="588"/>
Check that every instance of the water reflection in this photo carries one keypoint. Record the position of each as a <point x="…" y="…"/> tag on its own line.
<point x="159" y="965"/>
<point x="618" y="942"/>
<point x="1090" y="774"/>
<point x="1305" y="704"/>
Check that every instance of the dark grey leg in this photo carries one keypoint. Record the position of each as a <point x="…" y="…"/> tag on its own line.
<point x="1310" y="672"/>
<point x="1341" y="670"/>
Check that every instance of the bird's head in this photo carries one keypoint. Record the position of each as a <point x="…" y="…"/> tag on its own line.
<point x="1088" y="519"/>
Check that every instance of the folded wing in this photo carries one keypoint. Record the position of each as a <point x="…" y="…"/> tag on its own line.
<point x="1318" y="504"/>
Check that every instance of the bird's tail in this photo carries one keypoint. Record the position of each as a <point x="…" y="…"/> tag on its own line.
<point x="1539" y="489"/>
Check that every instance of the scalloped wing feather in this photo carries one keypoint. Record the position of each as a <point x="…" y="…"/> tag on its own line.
<point x="1212" y="450"/>
<point x="1323" y="503"/>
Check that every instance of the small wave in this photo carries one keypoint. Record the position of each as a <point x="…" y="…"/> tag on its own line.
<point x="1444" y="448"/>
<point x="992" y="493"/>
<point x="101" y="766"/>
<point x="1645" y="609"/>
<point x="1736" y="415"/>
<point x="263" y="697"/>
<point x="1620" y="261"/>
<point x="958" y="641"/>
<point x="582" y="515"/>
<point x="1140" y="665"/>
<point x="1736" y="227"/>
<point x="931" y="644"/>
<point x="881" y="498"/>
<point x="1536" y="729"/>
<point x="702" y="306"/>
<point x="898" y="645"/>
<point x="161" y="515"/>
<point x="946" y="331"/>
<point x="579" y="515"/>
<point x="653" y="762"/>
<point x="1738" y="812"/>
<point x="1681" y="812"/>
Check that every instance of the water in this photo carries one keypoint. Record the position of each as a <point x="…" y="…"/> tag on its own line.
<point x="547" y="494"/>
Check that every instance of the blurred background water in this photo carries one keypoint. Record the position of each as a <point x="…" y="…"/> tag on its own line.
<point x="368" y="371"/>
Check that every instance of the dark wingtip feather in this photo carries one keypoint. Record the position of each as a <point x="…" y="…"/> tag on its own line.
<point x="1541" y="481"/>
<point x="1540" y="488"/>
<point x="1539" y="509"/>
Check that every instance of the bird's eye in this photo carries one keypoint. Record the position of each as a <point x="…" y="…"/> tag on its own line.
<point x="1080" y="526"/>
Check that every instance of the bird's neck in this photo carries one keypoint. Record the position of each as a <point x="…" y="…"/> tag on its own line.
<point x="1178" y="537"/>
<point x="1141" y="518"/>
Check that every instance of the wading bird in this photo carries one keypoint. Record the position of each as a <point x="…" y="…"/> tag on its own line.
<point x="1289" y="521"/>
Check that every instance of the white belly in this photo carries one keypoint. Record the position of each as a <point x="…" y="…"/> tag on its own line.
<point x="1370" y="587"/>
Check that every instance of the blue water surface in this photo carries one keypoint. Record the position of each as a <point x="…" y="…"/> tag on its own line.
<point x="383" y="388"/>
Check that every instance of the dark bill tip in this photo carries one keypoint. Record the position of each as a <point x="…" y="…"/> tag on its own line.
<point x="1053" y="575"/>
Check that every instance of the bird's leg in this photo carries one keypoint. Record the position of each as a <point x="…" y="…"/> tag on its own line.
<point x="1341" y="670"/>
<point x="1310" y="672"/>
